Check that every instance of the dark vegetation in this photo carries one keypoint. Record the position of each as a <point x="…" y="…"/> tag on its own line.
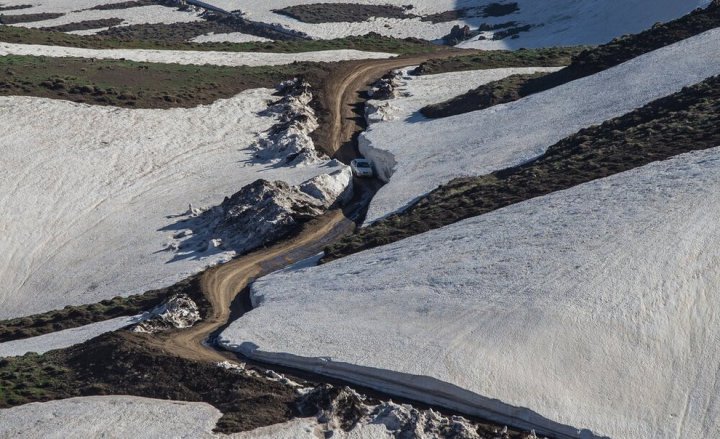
<point x="170" y="37"/>
<point x="84" y="25"/>
<point x="138" y="85"/>
<point x="686" y="121"/>
<point x="342" y="12"/>
<point x="493" y="93"/>
<point x="586" y="63"/>
<point x="122" y="363"/>
<point x="76" y="316"/>
<point x="555" y="56"/>
<point x="123" y="5"/>
<point x="491" y="10"/>
<point x="28" y="18"/>
<point x="14" y="8"/>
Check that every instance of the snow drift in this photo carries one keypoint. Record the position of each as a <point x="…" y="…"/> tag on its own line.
<point x="432" y="153"/>
<point x="595" y="307"/>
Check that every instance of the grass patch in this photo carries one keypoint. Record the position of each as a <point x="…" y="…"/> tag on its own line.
<point x="585" y="63"/>
<point x="76" y="316"/>
<point x="173" y="37"/>
<point x="121" y="363"/>
<point x="551" y="57"/>
<point x="496" y="92"/>
<point x="686" y="121"/>
<point x="28" y="18"/>
<point x="138" y="85"/>
<point x="84" y="25"/>
<point x="341" y="13"/>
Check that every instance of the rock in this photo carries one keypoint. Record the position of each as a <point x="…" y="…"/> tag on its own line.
<point x="175" y="313"/>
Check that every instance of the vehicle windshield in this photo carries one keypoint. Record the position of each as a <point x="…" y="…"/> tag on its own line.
<point x="362" y="164"/>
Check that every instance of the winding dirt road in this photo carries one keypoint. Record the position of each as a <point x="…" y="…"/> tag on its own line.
<point x="340" y="94"/>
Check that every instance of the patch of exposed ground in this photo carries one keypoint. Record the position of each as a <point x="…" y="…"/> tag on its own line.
<point x="686" y="121"/>
<point x="76" y="316"/>
<point x="85" y="25"/>
<point x="249" y="397"/>
<point x="491" y="10"/>
<point x="122" y="5"/>
<point x="14" y="8"/>
<point x="586" y="63"/>
<point x="167" y="37"/>
<point x="138" y="85"/>
<point x="342" y="12"/>
<point x="496" y="92"/>
<point x="28" y="18"/>
<point x="551" y="57"/>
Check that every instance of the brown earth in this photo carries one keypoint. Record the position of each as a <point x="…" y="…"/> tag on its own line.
<point x="28" y="18"/>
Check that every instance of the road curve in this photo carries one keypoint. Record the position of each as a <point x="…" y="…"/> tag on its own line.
<point x="340" y="93"/>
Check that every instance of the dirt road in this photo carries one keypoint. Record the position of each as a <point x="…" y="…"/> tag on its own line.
<point x="339" y="95"/>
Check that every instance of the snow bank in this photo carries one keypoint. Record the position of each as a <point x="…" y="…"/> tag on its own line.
<point x="64" y="339"/>
<point x="91" y="195"/>
<point x="431" y="153"/>
<point x="189" y="56"/>
<point x="259" y="214"/>
<point x="110" y="416"/>
<point x="595" y="307"/>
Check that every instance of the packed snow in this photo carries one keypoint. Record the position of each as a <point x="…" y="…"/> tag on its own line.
<point x="65" y="338"/>
<point x="190" y="56"/>
<point x="417" y="156"/>
<point x="92" y="196"/>
<point x="558" y="22"/>
<point x="592" y="308"/>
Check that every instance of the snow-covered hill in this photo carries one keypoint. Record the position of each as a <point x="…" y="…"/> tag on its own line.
<point x="92" y="196"/>
<point x="430" y="153"/>
<point x="595" y="307"/>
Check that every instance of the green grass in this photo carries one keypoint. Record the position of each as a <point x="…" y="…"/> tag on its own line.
<point x="551" y="57"/>
<point x="369" y="42"/>
<point x="137" y="85"/>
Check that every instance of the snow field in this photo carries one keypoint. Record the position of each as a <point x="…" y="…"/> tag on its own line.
<point x="92" y="196"/>
<point x="65" y="338"/>
<point x="592" y="308"/>
<point x="189" y="56"/>
<point x="559" y="22"/>
<point x="420" y="155"/>
<point x="232" y="37"/>
<point x="130" y="16"/>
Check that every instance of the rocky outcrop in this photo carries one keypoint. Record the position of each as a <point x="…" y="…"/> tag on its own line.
<point x="385" y="87"/>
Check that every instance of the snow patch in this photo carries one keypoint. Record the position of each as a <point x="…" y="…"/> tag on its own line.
<point x="231" y="37"/>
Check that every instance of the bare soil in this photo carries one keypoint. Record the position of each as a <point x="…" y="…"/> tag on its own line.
<point x="491" y="10"/>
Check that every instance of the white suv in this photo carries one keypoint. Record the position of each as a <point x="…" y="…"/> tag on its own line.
<point x="362" y="168"/>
